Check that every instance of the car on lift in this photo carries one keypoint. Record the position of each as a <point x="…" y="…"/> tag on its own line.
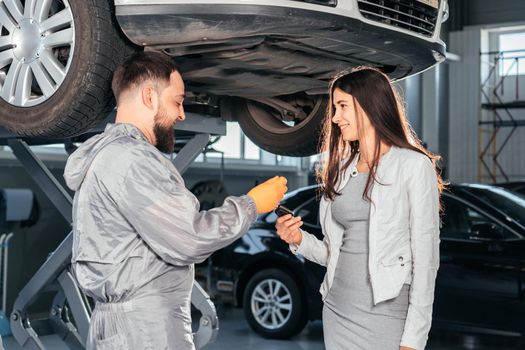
<point x="479" y="285"/>
<point x="263" y="63"/>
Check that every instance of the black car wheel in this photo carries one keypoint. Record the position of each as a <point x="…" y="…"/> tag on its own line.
<point x="288" y="125"/>
<point x="273" y="305"/>
<point x="56" y="64"/>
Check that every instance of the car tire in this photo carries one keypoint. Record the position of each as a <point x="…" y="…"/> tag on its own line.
<point x="292" y="310"/>
<point x="263" y="125"/>
<point x="59" y="94"/>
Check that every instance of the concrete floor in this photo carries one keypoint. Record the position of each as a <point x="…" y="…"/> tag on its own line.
<point x="235" y="334"/>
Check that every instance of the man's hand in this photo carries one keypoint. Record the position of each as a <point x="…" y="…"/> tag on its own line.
<point x="268" y="194"/>
<point x="288" y="229"/>
<point x="405" y="348"/>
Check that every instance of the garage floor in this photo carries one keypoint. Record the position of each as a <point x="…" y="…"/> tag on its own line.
<point x="236" y="334"/>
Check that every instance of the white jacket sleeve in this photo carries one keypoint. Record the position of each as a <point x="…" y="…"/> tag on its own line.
<point x="423" y="197"/>
<point x="312" y="249"/>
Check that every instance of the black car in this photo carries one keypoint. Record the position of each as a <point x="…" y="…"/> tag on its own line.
<point x="480" y="280"/>
<point x="479" y="285"/>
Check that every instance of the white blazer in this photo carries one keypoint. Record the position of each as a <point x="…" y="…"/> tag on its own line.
<point x="403" y="237"/>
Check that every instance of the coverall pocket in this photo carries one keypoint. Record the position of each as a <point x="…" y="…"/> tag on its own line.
<point x="115" y="342"/>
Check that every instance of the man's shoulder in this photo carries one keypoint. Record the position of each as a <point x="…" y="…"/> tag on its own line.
<point x="131" y="147"/>
<point x="122" y="153"/>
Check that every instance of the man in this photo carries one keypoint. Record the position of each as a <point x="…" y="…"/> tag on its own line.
<point x="137" y="229"/>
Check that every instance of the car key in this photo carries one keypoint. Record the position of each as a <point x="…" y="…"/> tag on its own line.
<point x="282" y="210"/>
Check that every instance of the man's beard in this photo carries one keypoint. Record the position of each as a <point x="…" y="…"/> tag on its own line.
<point x="163" y="134"/>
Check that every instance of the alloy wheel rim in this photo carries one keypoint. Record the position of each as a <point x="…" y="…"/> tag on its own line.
<point x="271" y="304"/>
<point x="37" y="42"/>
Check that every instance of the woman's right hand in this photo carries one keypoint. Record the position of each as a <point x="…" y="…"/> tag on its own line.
<point x="287" y="227"/>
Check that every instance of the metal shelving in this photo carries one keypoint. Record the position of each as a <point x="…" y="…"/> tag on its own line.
<point x="502" y="112"/>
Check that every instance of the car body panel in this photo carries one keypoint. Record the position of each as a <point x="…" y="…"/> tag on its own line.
<point x="347" y="8"/>
<point x="261" y="48"/>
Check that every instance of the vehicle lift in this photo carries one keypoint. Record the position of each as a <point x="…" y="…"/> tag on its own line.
<point x="55" y="274"/>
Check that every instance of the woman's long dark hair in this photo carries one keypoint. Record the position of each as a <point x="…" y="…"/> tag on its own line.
<point x="382" y="105"/>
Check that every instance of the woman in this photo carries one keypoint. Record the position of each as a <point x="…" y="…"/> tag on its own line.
<point x="380" y="219"/>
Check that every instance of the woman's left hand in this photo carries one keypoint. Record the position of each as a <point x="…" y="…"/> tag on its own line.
<point x="405" y="348"/>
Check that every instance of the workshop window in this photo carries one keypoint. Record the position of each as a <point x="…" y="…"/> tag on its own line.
<point x="512" y="46"/>
<point x="250" y="150"/>
<point x="229" y="144"/>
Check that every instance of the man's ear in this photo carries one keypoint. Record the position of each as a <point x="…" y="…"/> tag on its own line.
<point x="150" y="98"/>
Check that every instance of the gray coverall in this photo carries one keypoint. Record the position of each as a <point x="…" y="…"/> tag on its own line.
<point x="137" y="233"/>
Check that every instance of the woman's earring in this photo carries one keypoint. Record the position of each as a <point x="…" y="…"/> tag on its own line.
<point x="353" y="173"/>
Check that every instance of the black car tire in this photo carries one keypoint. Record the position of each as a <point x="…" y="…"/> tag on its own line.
<point x="84" y="96"/>
<point x="297" y="318"/>
<point x="273" y="135"/>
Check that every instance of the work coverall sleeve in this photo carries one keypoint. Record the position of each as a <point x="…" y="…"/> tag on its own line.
<point x="423" y="197"/>
<point x="166" y="215"/>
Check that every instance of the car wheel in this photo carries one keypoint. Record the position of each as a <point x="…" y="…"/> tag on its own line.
<point x="287" y="125"/>
<point x="273" y="305"/>
<point x="56" y="62"/>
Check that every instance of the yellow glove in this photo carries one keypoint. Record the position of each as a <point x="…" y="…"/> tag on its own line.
<point x="268" y="194"/>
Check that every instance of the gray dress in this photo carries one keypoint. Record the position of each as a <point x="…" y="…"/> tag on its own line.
<point x="350" y="319"/>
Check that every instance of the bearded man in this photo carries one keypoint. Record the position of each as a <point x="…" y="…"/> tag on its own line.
<point x="137" y="230"/>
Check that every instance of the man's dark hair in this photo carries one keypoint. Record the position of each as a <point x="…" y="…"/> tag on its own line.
<point x="140" y="67"/>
